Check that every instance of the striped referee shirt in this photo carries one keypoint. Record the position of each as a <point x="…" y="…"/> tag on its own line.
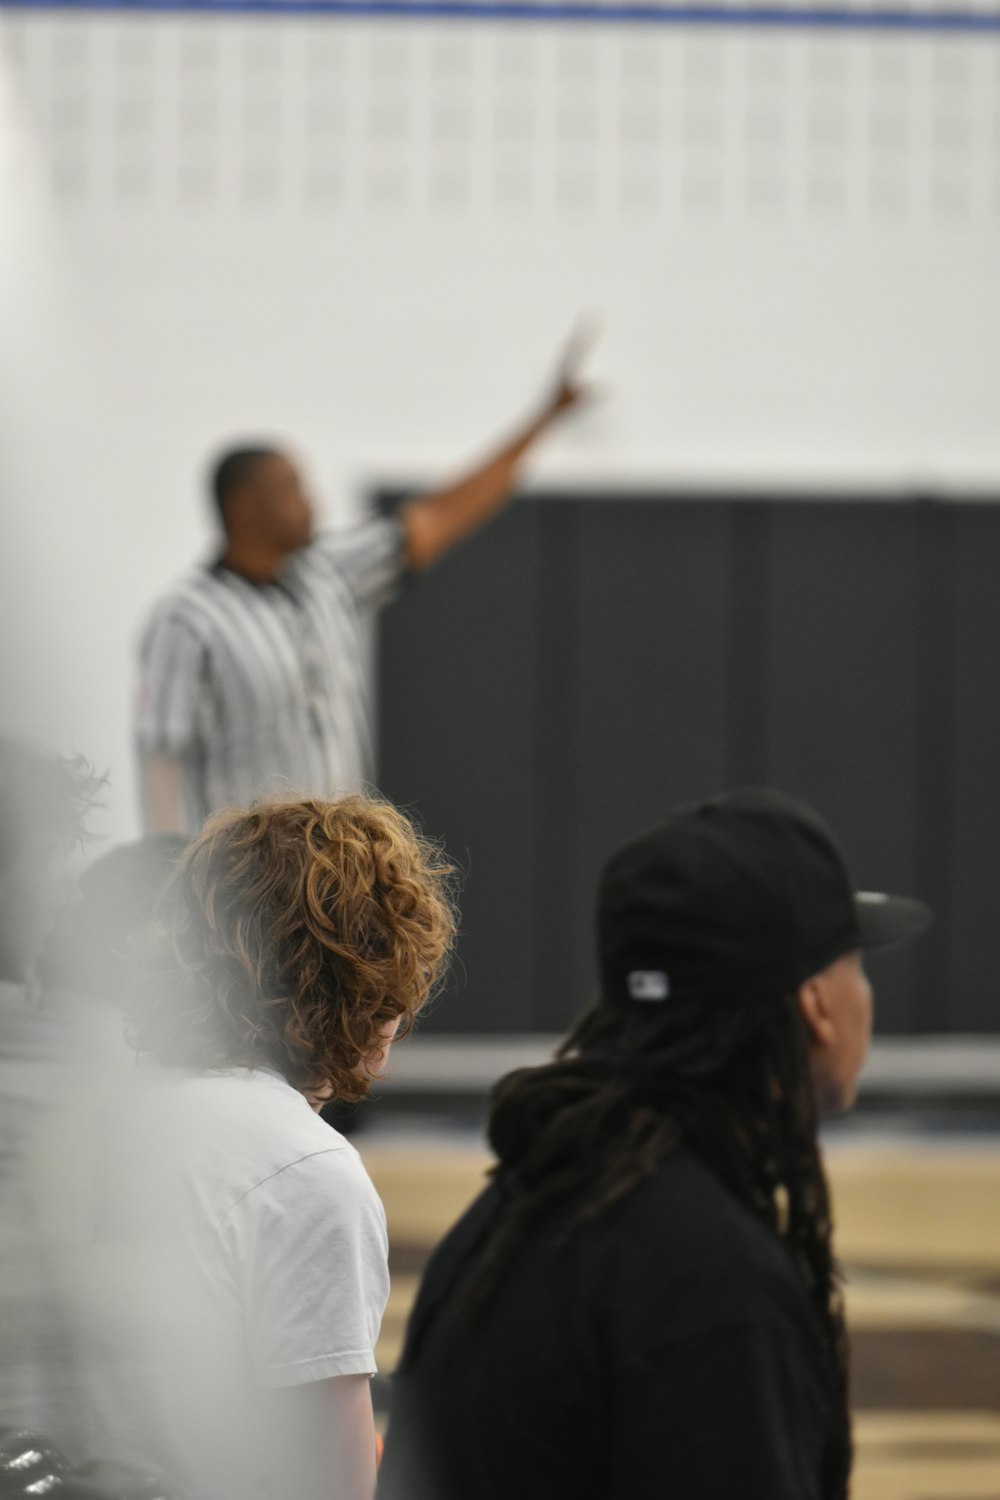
<point x="260" y="689"/>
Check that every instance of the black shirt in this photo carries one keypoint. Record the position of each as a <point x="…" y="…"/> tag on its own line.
<point x="666" y="1351"/>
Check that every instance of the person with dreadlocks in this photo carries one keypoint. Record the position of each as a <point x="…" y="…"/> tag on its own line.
<point x="644" y="1302"/>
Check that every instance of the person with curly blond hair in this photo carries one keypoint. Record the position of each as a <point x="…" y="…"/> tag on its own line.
<point x="243" y="1252"/>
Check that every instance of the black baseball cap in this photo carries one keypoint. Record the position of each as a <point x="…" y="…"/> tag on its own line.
<point x="742" y="897"/>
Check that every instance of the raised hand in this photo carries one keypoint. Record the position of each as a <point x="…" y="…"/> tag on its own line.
<point x="571" y="388"/>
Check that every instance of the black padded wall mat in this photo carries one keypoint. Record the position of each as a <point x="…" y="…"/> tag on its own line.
<point x="585" y="663"/>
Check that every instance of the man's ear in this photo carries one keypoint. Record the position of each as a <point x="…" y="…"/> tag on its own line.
<point x="815" y="1011"/>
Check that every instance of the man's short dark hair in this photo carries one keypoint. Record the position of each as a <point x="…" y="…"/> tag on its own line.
<point x="232" y="469"/>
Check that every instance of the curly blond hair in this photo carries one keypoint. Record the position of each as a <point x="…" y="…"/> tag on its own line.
<point x="291" y="934"/>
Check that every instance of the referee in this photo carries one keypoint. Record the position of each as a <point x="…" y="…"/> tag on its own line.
<point x="251" y="677"/>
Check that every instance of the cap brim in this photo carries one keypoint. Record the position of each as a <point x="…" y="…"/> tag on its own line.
<point x="889" y="921"/>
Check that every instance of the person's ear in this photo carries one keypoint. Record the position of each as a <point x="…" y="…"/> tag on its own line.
<point x="813" y="1003"/>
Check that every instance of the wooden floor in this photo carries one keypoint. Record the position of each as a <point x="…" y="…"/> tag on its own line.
<point x="918" y="1220"/>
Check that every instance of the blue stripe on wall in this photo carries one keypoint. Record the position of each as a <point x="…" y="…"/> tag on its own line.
<point x="833" y="18"/>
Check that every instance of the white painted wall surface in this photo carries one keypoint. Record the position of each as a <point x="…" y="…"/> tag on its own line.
<point x="368" y="239"/>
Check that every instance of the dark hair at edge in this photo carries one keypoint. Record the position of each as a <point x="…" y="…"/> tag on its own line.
<point x="43" y="795"/>
<point x="232" y="469"/>
<point x="631" y="1083"/>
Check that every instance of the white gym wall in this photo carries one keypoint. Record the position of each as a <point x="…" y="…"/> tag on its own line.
<point x="368" y="237"/>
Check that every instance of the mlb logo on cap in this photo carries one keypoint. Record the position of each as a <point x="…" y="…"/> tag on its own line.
<point x="648" y="984"/>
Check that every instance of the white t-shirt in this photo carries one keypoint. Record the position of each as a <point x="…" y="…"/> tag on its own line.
<point x="238" y="1244"/>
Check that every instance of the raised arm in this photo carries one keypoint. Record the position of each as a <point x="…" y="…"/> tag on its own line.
<point x="433" y="523"/>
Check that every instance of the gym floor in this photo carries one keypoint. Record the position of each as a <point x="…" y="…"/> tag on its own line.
<point x="918" y="1231"/>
